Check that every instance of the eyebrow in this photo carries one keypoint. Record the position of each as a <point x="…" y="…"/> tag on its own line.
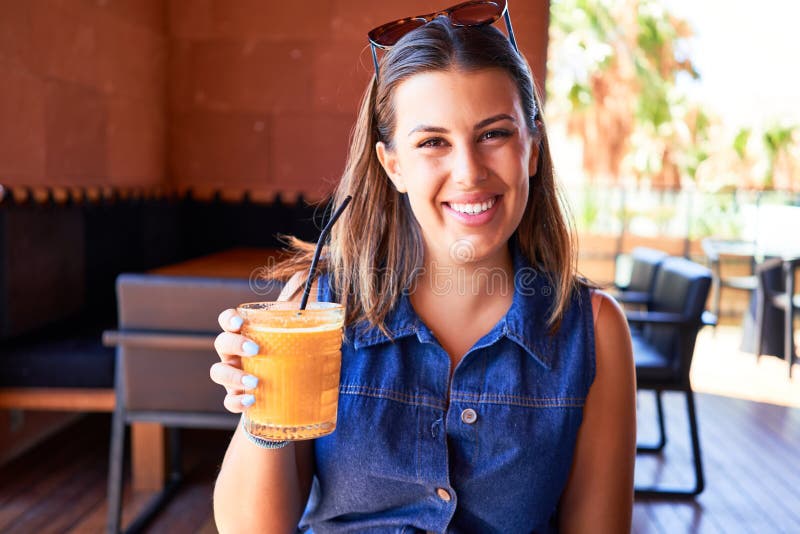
<point x="481" y="124"/>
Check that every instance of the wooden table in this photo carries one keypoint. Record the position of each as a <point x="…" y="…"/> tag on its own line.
<point x="148" y="452"/>
<point x="232" y="263"/>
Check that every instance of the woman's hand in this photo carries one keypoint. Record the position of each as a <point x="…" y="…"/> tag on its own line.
<point x="232" y="347"/>
<point x="228" y="373"/>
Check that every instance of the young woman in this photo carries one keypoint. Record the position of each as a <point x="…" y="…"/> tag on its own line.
<point x="485" y="387"/>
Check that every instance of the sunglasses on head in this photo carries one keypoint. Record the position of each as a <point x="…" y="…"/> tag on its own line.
<point x="472" y="13"/>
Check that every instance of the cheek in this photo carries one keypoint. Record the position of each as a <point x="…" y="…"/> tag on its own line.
<point x="523" y="192"/>
<point x="426" y="168"/>
<point x="525" y="184"/>
<point x="516" y="173"/>
<point x="419" y="197"/>
<point x="422" y="179"/>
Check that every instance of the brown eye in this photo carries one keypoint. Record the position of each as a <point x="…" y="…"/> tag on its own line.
<point x="432" y="143"/>
<point x="495" y="134"/>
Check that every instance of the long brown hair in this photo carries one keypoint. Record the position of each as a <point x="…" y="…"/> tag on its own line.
<point x="376" y="246"/>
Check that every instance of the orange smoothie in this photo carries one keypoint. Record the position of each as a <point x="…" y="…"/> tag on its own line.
<point x="297" y="368"/>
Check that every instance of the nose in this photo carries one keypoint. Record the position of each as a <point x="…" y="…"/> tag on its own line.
<point x="468" y="168"/>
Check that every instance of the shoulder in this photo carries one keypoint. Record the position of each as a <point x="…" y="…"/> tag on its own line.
<point x="605" y="308"/>
<point x="612" y="337"/>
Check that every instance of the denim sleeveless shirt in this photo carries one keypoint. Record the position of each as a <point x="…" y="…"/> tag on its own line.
<point x="489" y="450"/>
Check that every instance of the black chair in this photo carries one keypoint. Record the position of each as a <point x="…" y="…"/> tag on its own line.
<point x="165" y="347"/>
<point x="663" y="347"/>
<point x="645" y="264"/>
<point x="774" y="324"/>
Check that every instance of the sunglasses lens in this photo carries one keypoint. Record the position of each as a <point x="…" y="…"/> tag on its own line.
<point x="389" y="34"/>
<point x="477" y="13"/>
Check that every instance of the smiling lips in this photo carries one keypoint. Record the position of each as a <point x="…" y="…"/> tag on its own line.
<point x="473" y="209"/>
<point x="476" y="212"/>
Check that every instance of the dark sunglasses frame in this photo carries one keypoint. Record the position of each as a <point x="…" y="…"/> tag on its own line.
<point x="375" y="34"/>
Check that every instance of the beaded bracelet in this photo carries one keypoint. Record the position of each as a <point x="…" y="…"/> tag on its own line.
<point x="261" y="442"/>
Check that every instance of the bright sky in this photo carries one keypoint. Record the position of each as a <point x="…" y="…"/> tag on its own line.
<point x="748" y="54"/>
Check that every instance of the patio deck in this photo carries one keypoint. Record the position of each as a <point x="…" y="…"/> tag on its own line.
<point x="750" y="454"/>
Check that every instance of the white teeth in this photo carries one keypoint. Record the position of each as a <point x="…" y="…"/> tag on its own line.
<point x="473" y="209"/>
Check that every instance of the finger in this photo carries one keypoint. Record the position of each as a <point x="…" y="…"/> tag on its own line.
<point x="229" y="344"/>
<point x="238" y="403"/>
<point x="234" y="391"/>
<point x="232" y="360"/>
<point x="230" y="321"/>
<point x="234" y="380"/>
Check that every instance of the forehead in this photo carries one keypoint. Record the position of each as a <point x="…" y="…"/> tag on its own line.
<point x="453" y="95"/>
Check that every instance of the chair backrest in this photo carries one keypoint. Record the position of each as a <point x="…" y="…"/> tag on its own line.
<point x="644" y="267"/>
<point x="681" y="287"/>
<point x="770" y="317"/>
<point x="770" y="276"/>
<point x="165" y="368"/>
<point x="183" y="303"/>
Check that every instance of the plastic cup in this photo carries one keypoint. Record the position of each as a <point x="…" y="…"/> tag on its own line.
<point x="297" y="366"/>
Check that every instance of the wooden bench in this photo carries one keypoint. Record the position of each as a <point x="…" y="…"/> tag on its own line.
<point x="62" y="250"/>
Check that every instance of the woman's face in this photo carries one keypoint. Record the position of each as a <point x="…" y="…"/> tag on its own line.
<point x="463" y="154"/>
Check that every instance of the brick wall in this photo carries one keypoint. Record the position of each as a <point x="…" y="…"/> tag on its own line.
<point x="234" y="94"/>
<point x="82" y="92"/>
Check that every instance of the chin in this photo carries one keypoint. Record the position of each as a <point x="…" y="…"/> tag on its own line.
<point x="470" y="250"/>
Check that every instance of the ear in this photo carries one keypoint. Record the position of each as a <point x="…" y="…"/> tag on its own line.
<point x="536" y="140"/>
<point x="391" y="165"/>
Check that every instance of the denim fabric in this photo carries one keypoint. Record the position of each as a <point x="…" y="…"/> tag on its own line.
<point x="399" y="443"/>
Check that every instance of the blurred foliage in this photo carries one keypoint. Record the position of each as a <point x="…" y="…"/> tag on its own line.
<point x="767" y="156"/>
<point x="740" y="142"/>
<point x="620" y="94"/>
<point x="777" y="140"/>
<point x="717" y="215"/>
<point x="616" y="81"/>
<point x="590" y="211"/>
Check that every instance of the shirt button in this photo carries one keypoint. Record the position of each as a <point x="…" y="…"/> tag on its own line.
<point x="443" y="494"/>
<point x="469" y="416"/>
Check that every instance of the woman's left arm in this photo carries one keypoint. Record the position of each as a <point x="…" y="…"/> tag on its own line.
<point x="599" y="492"/>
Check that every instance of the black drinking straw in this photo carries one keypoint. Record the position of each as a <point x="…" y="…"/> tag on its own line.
<point x="325" y="231"/>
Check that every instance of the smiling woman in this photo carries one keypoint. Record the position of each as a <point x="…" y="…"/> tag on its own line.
<point x="474" y="357"/>
<point x="466" y="175"/>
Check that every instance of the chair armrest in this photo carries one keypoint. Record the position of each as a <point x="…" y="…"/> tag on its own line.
<point x="650" y="317"/>
<point x="633" y="297"/>
<point x="161" y="340"/>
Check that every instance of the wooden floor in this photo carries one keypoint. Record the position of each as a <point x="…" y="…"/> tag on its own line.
<point x="751" y="454"/>
<point x="60" y="486"/>
<point x="752" y="466"/>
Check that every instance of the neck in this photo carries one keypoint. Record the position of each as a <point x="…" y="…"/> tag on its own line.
<point x="461" y="302"/>
<point x="467" y="281"/>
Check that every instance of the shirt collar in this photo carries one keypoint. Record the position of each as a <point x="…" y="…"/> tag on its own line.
<point x="525" y="323"/>
<point x="401" y="321"/>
